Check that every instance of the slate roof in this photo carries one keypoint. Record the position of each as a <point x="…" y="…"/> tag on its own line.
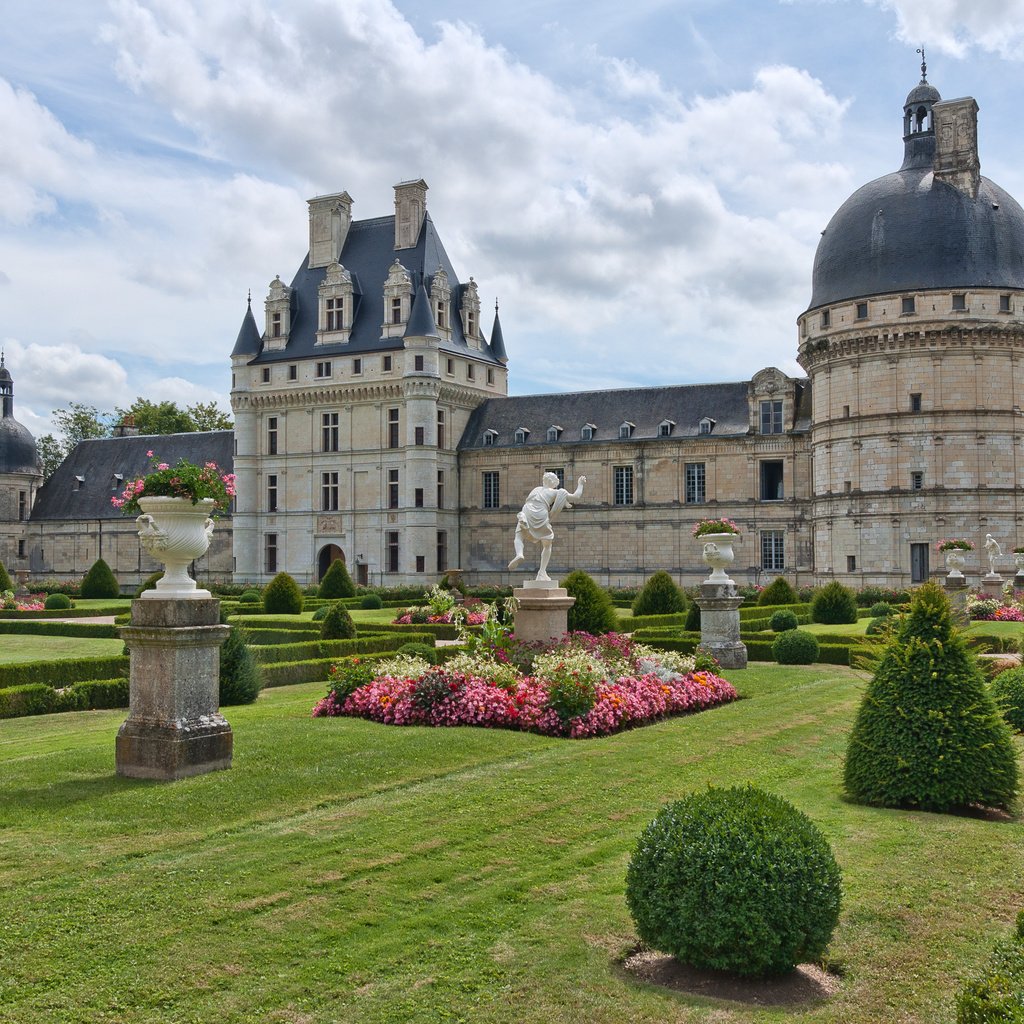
<point x="84" y="483"/>
<point x="646" y="408"/>
<point x="368" y="252"/>
<point x="248" y="341"/>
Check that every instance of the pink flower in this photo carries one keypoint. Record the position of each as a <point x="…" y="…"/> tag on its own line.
<point x="149" y="454"/>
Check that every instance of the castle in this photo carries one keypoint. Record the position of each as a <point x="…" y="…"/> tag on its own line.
<point x="372" y="420"/>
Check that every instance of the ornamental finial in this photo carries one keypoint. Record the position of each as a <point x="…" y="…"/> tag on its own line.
<point x="924" y="66"/>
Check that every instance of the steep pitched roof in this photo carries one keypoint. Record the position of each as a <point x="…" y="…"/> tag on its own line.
<point x="83" y="484"/>
<point x="497" y="340"/>
<point x="421" y="317"/>
<point x="248" y="341"/>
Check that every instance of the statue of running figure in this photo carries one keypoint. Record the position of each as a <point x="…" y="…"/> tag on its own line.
<point x="535" y="519"/>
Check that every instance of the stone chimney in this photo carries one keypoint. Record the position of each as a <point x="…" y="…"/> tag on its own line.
<point x="329" y="220"/>
<point x="410" y="209"/>
<point x="956" y="144"/>
<point x="126" y="428"/>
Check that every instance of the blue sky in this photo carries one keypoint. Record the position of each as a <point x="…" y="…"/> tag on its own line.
<point x="642" y="185"/>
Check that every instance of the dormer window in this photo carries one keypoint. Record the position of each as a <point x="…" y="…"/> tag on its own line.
<point x="397" y="300"/>
<point x="278" y="309"/>
<point x="275" y="325"/>
<point x="440" y="299"/>
<point x="336" y="300"/>
<point x="490" y="436"/>
<point x="115" y="486"/>
<point x="554" y="432"/>
<point x="706" y="425"/>
<point x="470" y="308"/>
<point x="626" y="430"/>
<point x="79" y="482"/>
<point x="521" y="435"/>
<point x="587" y="432"/>
<point x="665" y="428"/>
<point x="396" y="311"/>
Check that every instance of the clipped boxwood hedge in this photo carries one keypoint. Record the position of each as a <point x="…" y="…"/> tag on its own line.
<point x="27" y="699"/>
<point x="57" y="613"/>
<point x="40" y="699"/>
<point x="96" y="630"/>
<point x="275" y="662"/>
<point x="271" y="622"/>
<point x="262" y="637"/>
<point x="764" y="611"/>
<point x="631" y="623"/>
<point x="64" y="672"/>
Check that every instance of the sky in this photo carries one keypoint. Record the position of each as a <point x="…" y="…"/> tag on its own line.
<point x="641" y="185"/>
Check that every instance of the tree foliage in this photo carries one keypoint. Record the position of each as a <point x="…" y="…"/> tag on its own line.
<point x="777" y="592"/>
<point x="660" y="596"/>
<point x="100" y="582"/>
<point x="5" y="580"/>
<point x="834" y="604"/>
<point x="337" y="624"/>
<point x="282" y="596"/>
<point x="239" y="674"/>
<point x="593" y="611"/>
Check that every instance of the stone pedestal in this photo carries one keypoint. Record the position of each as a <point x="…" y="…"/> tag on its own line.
<point x="720" y="623"/>
<point x="956" y="590"/>
<point x="174" y="728"/>
<point x="543" y="611"/>
<point x="22" y="588"/>
<point x="992" y="585"/>
<point x="1018" y="580"/>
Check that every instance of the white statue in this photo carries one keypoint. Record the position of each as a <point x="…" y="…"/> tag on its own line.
<point x="535" y="519"/>
<point x="994" y="551"/>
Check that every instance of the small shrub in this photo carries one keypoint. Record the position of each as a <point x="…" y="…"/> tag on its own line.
<point x="57" y="601"/>
<point x="149" y="583"/>
<point x="782" y="620"/>
<point x="795" y="647"/>
<point x="593" y="611"/>
<point x="239" y="676"/>
<point x="834" y="604"/>
<point x="371" y="601"/>
<point x="282" y="596"/>
<point x="660" y="596"/>
<point x="100" y="582"/>
<point x="881" y="609"/>
<point x="1008" y="690"/>
<point x="997" y="996"/>
<point x="5" y="580"/>
<point x="337" y="624"/>
<point x="878" y="626"/>
<point x="777" y="592"/>
<point x="692" y="624"/>
<point x="336" y="583"/>
<point x="734" y="879"/>
<point x="249" y="597"/>
<point x="321" y="613"/>
<point x="423" y="651"/>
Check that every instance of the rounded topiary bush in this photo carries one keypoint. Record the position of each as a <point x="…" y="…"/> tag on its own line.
<point x="660" y="596"/>
<point x="337" y="624"/>
<point x="834" y="604"/>
<point x="249" y="597"/>
<point x="371" y="601"/>
<point x="100" y="582"/>
<point x="881" y="609"/>
<point x="282" y="596"/>
<point x="336" y="582"/>
<point x="928" y="733"/>
<point x="419" y="651"/>
<point x="795" y="647"/>
<point x="1008" y="690"/>
<point x="239" y="675"/>
<point x="58" y="601"/>
<point x="777" y="592"/>
<point x="734" y="879"/>
<point x="782" y="620"/>
<point x="593" y="611"/>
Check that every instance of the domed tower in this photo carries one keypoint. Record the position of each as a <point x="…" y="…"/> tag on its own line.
<point x="912" y="341"/>
<point x="20" y="475"/>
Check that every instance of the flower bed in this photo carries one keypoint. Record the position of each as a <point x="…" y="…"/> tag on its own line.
<point x="28" y="603"/>
<point x="584" y="686"/>
<point x="989" y="609"/>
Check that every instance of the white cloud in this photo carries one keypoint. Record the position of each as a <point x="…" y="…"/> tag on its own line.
<point x="957" y="26"/>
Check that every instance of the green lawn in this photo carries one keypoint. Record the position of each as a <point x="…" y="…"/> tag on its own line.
<point x="17" y="647"/>
<point x="345" y="871"/>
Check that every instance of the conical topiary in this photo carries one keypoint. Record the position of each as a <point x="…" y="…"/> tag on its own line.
<point x="593" y="611"/>
<point x="337" y="624"/>
<point x="5" y="580"/>
<point x="928" y="733"/>
<point x="660" y="596"/>
<point x="777" y="592"/>
<point x="282" y="596"/>
<point x="100" y="581"/>
<point x="336" y="582"/>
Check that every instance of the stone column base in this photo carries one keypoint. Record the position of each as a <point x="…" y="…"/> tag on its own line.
<point x="174" y="728"/>
<point x="543" y="611"/>
<point x="956" y="590"/>
<point x="720" y="623"/>
<point x="992" y="585"/>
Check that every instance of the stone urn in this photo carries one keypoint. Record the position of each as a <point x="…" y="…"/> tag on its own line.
<point x="1018" y="561"/>
<point x="718" y="554"/>
<point x="956" y="559"/>
<point x="175" y="532"/>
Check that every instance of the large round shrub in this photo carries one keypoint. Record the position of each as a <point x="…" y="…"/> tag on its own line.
<point x="100" y="582"/>
<point x="371" y="601"/>
<point x="795" y="647"/>
<point x="337" y="624"/>
<point x="660" y="596"/>
<point x="928" y="733"/>
<point x="1008" y="690"/>
<point x="777" y="592"/>
<point x="834" y="604"/>
<point x="782" y="620"/>
<point x="239" y="675"/>
<point x="734" y="879"/>
<point x="57" y="601"/>
<point x="282" y="596"/>
<point x="881" y="609"/>
<point x="593" y="611"/>
<point x="336" y="582"/>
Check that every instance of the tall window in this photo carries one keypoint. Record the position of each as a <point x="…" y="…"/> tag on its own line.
<point x="440" y="488"/>
<point x="918" y="563"/>
<point x="386" y="364"/>
<point x="442" y="550"/>
<point x="695" y="483"/>
<point x="396" y="312"/>
<point x="293" y="372"/>
<point x="442" y="315"/>
<point x="771" y="417"/>
<point x="559" y="472"/>
<point x="417" y="363"/>
<point x="22" y="505"/>
<point x="622" y="480"/>
<point x="271" y="492"/>
<point x="392" y="488"/>
<point x="440" y="428"/>
<point x="492" y="494"/>
<point x="421" y="563"/>
<point x="862" y="311"/>
<point x="21" y="549"/>
<point x="275" y="325"/>
<point x="417" y="498"/>
<point x="329" y="492"/>
<point x="771" y="481"/>
<point x="916" y="480"/>
<point x="271" y="435"/>
<point x="270" y="552"/>
<point x="392" y="428"/>
<point x="323" y="369"/>
<point x="420" y="435"/>
<point x="335" y="314"/>
<point x="773" y="550"/>
<point x="329" y="432"/>
<point x="915" y="401"/>
<point x="391" y="539"/>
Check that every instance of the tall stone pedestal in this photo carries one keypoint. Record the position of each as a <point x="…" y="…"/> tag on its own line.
<point x="720" y="623"/>
<point x="992" y="585"/>
<point x="543" y="611"/>
<point x="174" y="728"/>
<point x="955" y="588"/>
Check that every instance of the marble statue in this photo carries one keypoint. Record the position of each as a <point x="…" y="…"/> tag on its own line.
<point x="535" y="519"/>
<point x="994" y="551"/>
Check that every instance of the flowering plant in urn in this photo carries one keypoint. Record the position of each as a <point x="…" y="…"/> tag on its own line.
<point x="184" y="480"/>
<point x="955" y="544"/>
<point x="706" y="526"/>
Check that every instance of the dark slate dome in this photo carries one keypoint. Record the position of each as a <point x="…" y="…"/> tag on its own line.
<point x="18" y="452"/>
<point x="909" y="231"/>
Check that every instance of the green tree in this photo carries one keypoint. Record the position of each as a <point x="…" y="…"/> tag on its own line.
<point x="337" y="624"/>
<point x="336" y="582"/>
<point x="282" y="596"/>
<point x="5" y="580"/>
<point x="157" y="417"/>
<point x="660" y="596"/>
<point x="777" y="592"/>
<point x="78" y="422"/>
<point x="208" y="416"/>
<point x="834" y="604"/>
<point x="100" y="581"/>
<point x="239" y="675"/>
<point x="593" y="611"/>
<point x="928" y="733"/>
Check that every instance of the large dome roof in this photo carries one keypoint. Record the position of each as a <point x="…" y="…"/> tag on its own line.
<point x="18" y="452"/>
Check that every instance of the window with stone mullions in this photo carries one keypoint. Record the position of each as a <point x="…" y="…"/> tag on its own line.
<point x="491" y="490"/>
<point x="329" y="432"/>
<point x="622" y="479"/>
<point x="271" y="492"/>
<point x="335" y="314"/>
<point x="329" y="492"/>
<point x="695" y="483"/>
<point x="771" y="417"/>
<point x="773" y="550"/>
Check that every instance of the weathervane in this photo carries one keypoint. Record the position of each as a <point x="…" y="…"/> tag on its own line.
<point x="924" y="65"/>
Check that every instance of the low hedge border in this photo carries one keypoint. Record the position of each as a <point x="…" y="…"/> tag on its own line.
<point x="66" y="672"/>
<point x="96" y="630"/>
<point x="269" y="622"/>
<point x="436" y="630"/>
<point x="55" y="613"/>
<point x="759" y="624"/>
<point x="631" y="623"/>
<point x="758" y="611"/>
<point x="760" y="649"/>
<point x="263" y="637"/>
<point x="40" y="699"/>
<point x="272" y="657"/>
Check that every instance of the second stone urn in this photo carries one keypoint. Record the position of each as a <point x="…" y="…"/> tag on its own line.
<point x="717" y="553"/>
<point x="175" y="532"/>
<point x="956" y="559"/>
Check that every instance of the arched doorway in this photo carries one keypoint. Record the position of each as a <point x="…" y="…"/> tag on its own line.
<point x="328" y="554"/>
